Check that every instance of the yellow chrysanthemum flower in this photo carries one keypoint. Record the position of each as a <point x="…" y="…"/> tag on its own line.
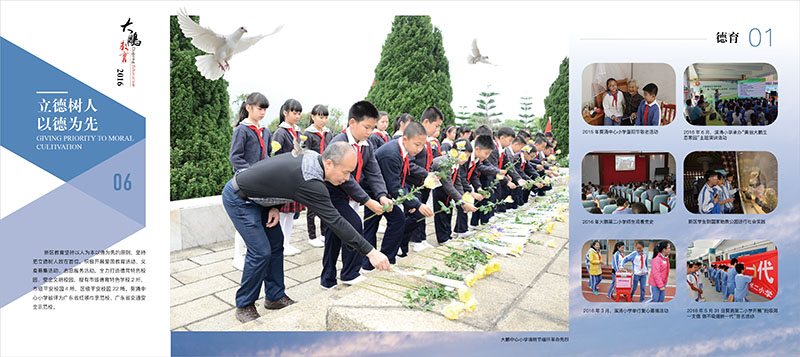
<point x="558" y="152"/>
<point x="461" y="144"/>
<point x="453" y="153"/>
<point x="275" y="146"/>
<point x="509" y="199"/>
<point x="470" y="279"/>
<point x="463" y="157"/>
<point x="549" y="227"/>
<point x="464" y="294"/>
<point x="467" y="198"/>
<point x="431" y="181"/>
<point x="303" y="138"/>
<point x="480" y="271"/>
<point x="500" y="176"/>
<point x="493" y="266"/>
<point x="453" y="310"/>
<point x="471" y="304"/>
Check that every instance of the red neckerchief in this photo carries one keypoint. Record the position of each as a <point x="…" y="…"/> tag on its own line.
<point x="294" y="134"/>
<point x="405" y="163"/>
<point x="438" y="148"/>
<point x="360" y="162"/>
<point x="614" y="102"/>
<point x="428" y="151"/>
<point x="385" y="138"/>
<point x="321" y="142"/>
<point x="469" y="173"/>
<point x="500" y="162"/>
<point x="260" y="139"/>
<point x="646" y="107"/>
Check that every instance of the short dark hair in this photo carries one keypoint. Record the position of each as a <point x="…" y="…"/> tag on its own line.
<point x="382" y="114"/>
<point x="621" y="201"/>
<point x="483" y="130"/>
<point x="734" y="261"/>
<point x="519" y="139"/>
<point x="595" y="210"/>
<point x="710" y="174"/>
<point x="609" y="81"/>
<point x="362" y="110"/>
<point x="431" y="114"/>
<point x="505" y="131"/>
<point x="739" y="268"/>
<point x="540" y="140"/>
<point x="320" y="109"/>
<point x="414" y="129"/>
<point x="484" y="142"/>
<point x="549" y="134"/>
<point x="638" y="208"/>
<point x="651" y="88"/>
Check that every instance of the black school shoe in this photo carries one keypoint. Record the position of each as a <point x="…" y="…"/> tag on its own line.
<point x="247" y="313"/>
<point x="278" y="304"/>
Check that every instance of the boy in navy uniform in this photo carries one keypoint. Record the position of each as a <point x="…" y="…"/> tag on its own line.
<point x="505" y="136"/>
<point x="482" y="148"/>
<point x="431" y="119"/>
<point x="452" y="187"/>
<point x="488" y="170"/>
<point x="516" y="149"/>
<point x="394" y="161"/>
<point x="365" y="182"/>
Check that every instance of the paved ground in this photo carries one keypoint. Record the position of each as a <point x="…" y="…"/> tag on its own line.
<point x="529" y="293"/>
<point x="606" y="284"/>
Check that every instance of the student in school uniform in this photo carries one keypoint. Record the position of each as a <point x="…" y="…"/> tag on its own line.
<point x="528" y="153"/>
<point x="716" y="273"/>
<point x="505" y="136"/>
<point x="379" y="135"/>
<point x="288" y="137"/>
<point x="394" y="160"/>
<point x="692" y="284"/>
<point x="487" y="173"/>
<point x="732" y="279"/>
<point x="446" y="138"/>
<point x="432" y="119"/>
<point x="742" y="284"/>
<point x="613" y="104"/>
<point x="452" y="188"/>
<point x="318" y="137"/>
<point x="482" y="148"/>
<point x="622" y="207"/>
<point x="723" y="279"/>
<point x="250" y="144"/>
<point x="252" y="199"/>
<point x="516" y="156"/>
<point x="592" y="261"/>
<point x="616" y="265"/>
<point x="660" y="273"/>
<point x="400" y="123"/>
<point x="365" y="186"/>
<point x="640" y="269"/>
<point x="708" y="199"/>
<point x="649" y="112"/>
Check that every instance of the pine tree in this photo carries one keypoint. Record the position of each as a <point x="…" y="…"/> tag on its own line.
<point x="200" y="128"/>
<point x="413" y="72"/>
<point x="463" y="115"/>
<point x="525" y="105"/>
<point x="485" y="107"/>
<point x="557" y="107"/>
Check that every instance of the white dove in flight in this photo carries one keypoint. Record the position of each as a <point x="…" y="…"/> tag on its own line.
<point x="220" y="48"/>
<point x="476" y="57"/>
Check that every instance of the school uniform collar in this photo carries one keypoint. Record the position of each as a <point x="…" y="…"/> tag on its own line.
<point x="651" y="104"/>
<point x="352" y="141"/>
<point x="472" y="158"/>
<point x="403" y="151"/>
<point x="248" y="122"/>
<point x="447" y="141"/>
<point x="286" y="125"/>
<point x="380" y="131"/>
<point x="313" y="129"/>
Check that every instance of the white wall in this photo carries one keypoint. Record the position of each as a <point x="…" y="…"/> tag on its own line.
<point x="589" y="171"/>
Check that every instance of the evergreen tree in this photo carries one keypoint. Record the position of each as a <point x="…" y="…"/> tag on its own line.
<point x="485" y="107"/>
<point x="557" y="107"/>
<point x="463" y="115"/>
<point x="413" y="72"/>
<point x="525" y="105"/>
<point x="200" y="127"/>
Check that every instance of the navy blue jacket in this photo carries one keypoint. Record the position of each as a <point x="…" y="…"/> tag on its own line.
<point x="390" y="160"/>
<point x="245" y="148"/>
<point x="419" y="162"/>
<point x="377" y="141"/>
<point x="371" y="184"/>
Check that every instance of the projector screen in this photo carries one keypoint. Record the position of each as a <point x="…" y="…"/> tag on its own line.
<point x="753" y="88"/>
<point x="625" y="162"/>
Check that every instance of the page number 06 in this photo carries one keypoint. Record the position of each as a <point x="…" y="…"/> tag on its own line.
<point x="120" y="184"/>
<point x="755" y="37"/>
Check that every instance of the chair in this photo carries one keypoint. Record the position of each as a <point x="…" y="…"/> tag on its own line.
<point x="588" y="209"/>
<point x="608" y="209"/>
<point x="588" y="204"/>
<point x="648" y="204"/>
<point x="667" y="113"/>
<point x="663" y="208"/>
<point x="658" y="201"/>
<point x="638" y="196"/>
<point x="600" y="197"/>
<point x="603" y="202"/>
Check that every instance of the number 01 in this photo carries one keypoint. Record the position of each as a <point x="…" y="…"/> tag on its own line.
<point x="757" y="37"/>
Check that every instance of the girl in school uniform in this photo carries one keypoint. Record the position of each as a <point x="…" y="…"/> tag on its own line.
<point x="593" y="266"/>
<point x="660" y="272"/>
<point x="742" y="284"/>
<point x="250" y="144"/>
<point x="288" y="136"/>
<point x="616" y="265"/>
<point x="318" y="137"/>
<point x="613" y="104"/>
<point x="446" y="138"/>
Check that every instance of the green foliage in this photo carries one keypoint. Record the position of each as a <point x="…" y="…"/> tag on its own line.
<point x="463" y="115"/>
<point x="525" y="106"/>
<point x="485" y="107"/>
<point x="413" y="72"/>
<point x="557" y="107"/>
<point x="200" y="124"/>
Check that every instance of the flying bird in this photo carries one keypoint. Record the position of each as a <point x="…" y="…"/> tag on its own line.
<point x="220" y="48"/>
<point x="476" y="57"/>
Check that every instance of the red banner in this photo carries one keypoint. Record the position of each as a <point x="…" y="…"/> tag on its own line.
<point x="765" y="275"/>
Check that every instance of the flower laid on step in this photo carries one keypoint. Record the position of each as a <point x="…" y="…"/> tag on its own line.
<point x="464" y="294"/>
<point x="470" y="279"/>
<point x="453" y="310"/>
<point x="471" y="304"/>
<point x="480" y="271"/>
<point x="517" y="248"/>
<point x="493" y="266"/>
<point x="551" y="243"/>
<point x="549" y="227"/>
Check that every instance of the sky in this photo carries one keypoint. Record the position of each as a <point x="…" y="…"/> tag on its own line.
<point x="327" y="53"/>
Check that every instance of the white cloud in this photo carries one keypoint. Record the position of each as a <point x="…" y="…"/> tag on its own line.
<point x="739" y="343"/>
